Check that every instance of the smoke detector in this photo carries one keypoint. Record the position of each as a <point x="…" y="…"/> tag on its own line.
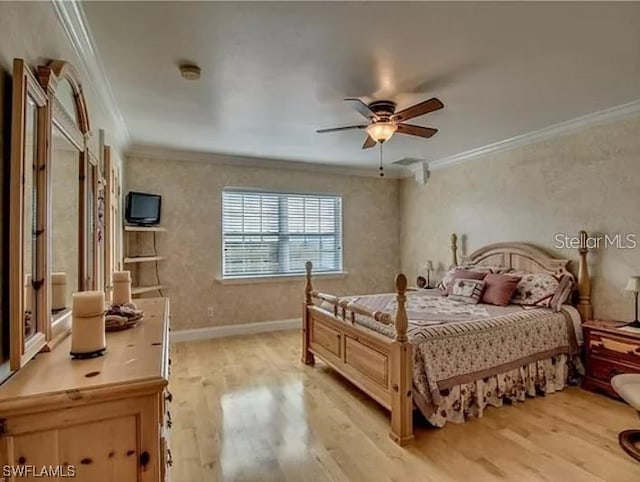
<point x="190" y="71"/>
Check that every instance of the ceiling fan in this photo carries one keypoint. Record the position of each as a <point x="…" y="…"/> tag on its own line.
<point x="384" y="121"/>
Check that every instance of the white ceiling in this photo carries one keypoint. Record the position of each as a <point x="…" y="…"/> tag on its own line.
<point x="273" y="73"/>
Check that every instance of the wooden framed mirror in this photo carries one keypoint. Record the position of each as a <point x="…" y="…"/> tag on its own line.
<point x="71" y="196"/>
<point x="112" y="219"/>
<point x="95" y="200"/>
<point x="27" y="267"/>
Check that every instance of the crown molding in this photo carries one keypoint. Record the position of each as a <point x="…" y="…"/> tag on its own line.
<point x="75" y="25"/>
<point x="168" y="154"/>
<point x="612" y="114"/>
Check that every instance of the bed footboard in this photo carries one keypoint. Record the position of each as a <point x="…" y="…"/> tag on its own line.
<point x="379" y="366"/>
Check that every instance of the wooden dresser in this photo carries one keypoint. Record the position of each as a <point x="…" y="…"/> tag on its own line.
<point x="105" y="418"/>
<point x="610" y="351"/>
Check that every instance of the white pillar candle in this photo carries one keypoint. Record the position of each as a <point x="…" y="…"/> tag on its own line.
<point x="121" y="281"/>
<point x="87" y="331"/>
<point x="58" y="291"/>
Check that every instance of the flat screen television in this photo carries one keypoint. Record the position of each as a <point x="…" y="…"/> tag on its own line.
<point x="143" y="209"/>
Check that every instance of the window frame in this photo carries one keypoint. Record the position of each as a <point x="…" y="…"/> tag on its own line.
<point x="239" y="279"/>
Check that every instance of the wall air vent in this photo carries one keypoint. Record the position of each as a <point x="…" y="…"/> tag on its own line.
<point x="407" y="161"/>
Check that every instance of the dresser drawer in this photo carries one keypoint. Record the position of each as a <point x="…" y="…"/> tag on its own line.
<point x="611" y="343"/>
<point x="617" y="348"/>
<point x="610" y="351"/>
<point x="604" y="369"/>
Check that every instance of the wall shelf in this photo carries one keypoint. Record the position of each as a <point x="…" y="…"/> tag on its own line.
<point x="138" y="290"/>
<point x="143" y="264"/>
<point x="143" y="259"/>
<point x="145" y="229"/>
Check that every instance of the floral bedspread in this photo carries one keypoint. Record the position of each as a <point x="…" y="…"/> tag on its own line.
<point x="457" y="343"/>
<point x="426" y="307"/>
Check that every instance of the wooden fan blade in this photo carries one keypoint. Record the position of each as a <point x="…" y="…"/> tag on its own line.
<point x="337" y="129"/>
<point x="416" y="130"/>
<point x="417" y="110"/>
<point x="361" y="107"/>
<point x="369" y="142"/>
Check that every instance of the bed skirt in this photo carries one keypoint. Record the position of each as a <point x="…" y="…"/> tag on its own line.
<point x="469" y="400"/>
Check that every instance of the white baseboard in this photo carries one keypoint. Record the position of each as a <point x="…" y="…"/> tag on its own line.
<point x="234" y="330"/>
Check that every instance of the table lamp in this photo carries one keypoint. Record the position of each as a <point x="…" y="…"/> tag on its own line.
<point x="633" y="285"/>
<point x="428" y="268"/>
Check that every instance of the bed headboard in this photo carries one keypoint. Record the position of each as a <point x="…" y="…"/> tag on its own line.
<point x="520" y="257"/>
<point x="526" y="257"/>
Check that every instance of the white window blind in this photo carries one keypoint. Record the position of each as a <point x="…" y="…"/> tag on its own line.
<point x="275" y="234"/>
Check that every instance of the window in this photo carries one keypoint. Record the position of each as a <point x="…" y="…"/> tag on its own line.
<point x="267" y="234"/>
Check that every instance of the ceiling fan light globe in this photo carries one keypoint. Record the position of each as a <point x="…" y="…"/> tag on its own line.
<point x="381" y="131"/>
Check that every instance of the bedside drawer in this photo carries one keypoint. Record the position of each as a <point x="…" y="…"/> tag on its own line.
<point x="612" y="347"/>
<point x="610" y="351"/>
<point x="604" y="369"/>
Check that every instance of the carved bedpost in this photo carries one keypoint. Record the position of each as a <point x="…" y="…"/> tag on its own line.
<point x="454" y="249"/>
<point x="307" y="357"/>
<point x="308" y="288"/>
<point x="402" y="321"/>
<point x="584" y="282"/>
<point x="401" y="364"/>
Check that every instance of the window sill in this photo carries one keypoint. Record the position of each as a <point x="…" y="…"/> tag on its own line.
<point x="285" y="278"/>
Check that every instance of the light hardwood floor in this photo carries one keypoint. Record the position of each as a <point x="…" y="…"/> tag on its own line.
<point x="246" y="409"/>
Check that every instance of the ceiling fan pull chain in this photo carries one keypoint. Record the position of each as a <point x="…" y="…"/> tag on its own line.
<point x="381" y="168"/>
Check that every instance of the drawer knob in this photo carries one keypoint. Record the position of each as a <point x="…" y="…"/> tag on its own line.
<point x="613" y="372"/>
<point x="144" y="459"/>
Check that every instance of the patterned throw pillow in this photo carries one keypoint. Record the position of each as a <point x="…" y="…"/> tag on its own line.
<point x="563" y="293"/>
<point x="465" y="274"/>
<point x="542" y="289"/>
<point x="466" y="290"/>
<point x="447" y="279"/>
<point x="450" y="275"/>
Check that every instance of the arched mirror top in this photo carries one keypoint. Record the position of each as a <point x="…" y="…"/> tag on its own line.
<point x="70" y="114"/>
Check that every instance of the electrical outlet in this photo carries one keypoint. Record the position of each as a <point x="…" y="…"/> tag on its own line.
<point x="210" y="312"/>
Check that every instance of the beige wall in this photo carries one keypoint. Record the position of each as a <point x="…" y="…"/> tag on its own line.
<point x="587" y="180"/>
<point x="192" y="195"/>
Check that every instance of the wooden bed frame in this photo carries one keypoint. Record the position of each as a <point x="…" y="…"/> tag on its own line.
<point x="382" y="366"/>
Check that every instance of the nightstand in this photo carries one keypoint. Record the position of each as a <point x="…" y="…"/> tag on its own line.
<point x="609" y="351"/>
